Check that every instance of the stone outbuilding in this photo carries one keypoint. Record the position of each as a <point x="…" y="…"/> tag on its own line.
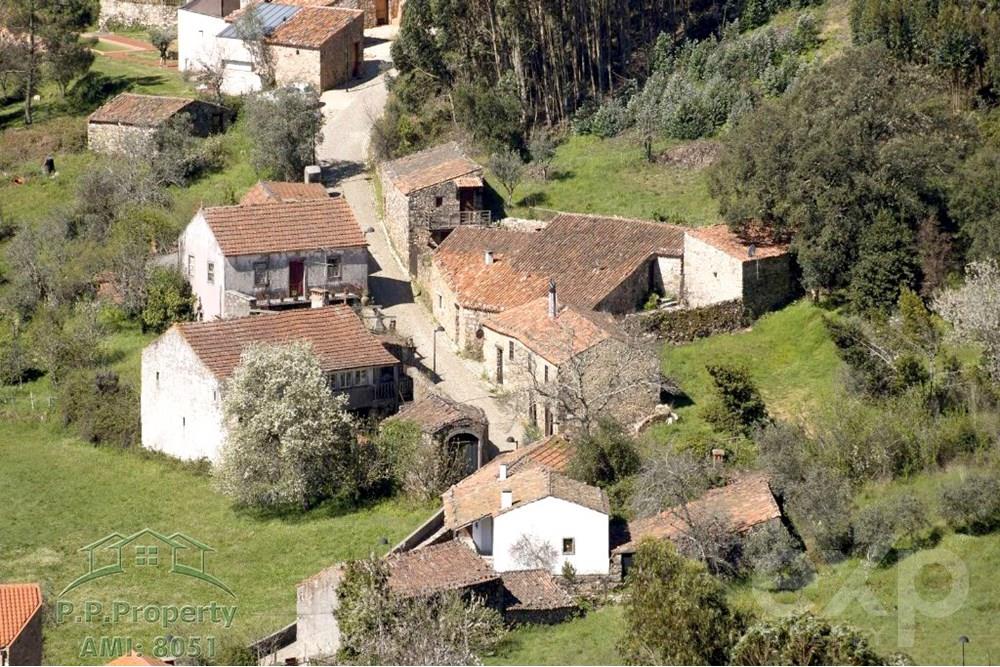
<point x="184" y="372"/>
<point x="721" y="266"/>
<point x="20" y="624"/>
<point x="129" y="122"/>
<point x="274" y="255"/>
<point x="311" y="43"/>
<point x="377" y="12"/>
<point x="426" y="196"/>
<point x="448" y="423"/>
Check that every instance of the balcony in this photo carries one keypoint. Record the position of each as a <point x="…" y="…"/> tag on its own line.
<point x="450" y="221"/>
<point x="382" y="394"/>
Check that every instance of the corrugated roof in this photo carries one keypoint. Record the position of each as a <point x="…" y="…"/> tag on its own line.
<point x="338" y="337"/>
<point x="270" y="14"/>
<point x="434" y="165"/>
<point x="312" y="224"/>
<point x="18" y="605"/>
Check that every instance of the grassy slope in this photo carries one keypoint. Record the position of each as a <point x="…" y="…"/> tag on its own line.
<point x="589" y="640"/>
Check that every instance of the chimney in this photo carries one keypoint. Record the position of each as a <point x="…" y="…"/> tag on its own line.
<point x="503" y="471"/>
<point x="506" y="499"/>
<point x="317" y="297"/>
<point x="553" y="306"/>
<point x="488" y="258"/>
<point x="312" y="174"/>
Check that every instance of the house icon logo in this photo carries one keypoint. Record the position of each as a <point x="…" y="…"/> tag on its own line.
<point x="147" y="548"/>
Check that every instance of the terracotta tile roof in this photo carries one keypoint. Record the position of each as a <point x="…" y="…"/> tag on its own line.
<point x="556" y="339"/>
<point x="311" y="27"/>
<point x="435" y="412"/>
<point x="742" y="504"/>
<point x="430" y="167"/>
<point x="440" y="567"/>
<point x="338" y="337"/>
<point x="534" y="590"/>
<point x="18" y="605"/>
<point x="312" y="224"/>
<point x="587" y="256"/>
<point x="265" y="192"/>
<point x="553" y="452"/>
<point x="478" y="495"/>
<point x="139" y="110"/>
<point x="133" y="658"/>
<point x="734" y="245"/>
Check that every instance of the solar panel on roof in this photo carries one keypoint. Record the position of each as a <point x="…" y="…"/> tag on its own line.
<point x="271" y="16"/>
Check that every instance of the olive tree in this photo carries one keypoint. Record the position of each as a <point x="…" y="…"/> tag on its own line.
<point x="286" y="124"/>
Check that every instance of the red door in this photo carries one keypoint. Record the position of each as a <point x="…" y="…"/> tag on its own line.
<point x="296" y="278"/>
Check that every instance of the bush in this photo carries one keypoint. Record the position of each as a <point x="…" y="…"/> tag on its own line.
<point x="605" y="456"/>
<point x="738" y="407"/>
<point x="608" y="120"/>
<point x="102" y="409"/>
<point x="771" y="552"/>
<point x="972" y="504"/>
<point x="878" y="528"/>
<point x="804" y="640"/>
<point x="168" y="300"/>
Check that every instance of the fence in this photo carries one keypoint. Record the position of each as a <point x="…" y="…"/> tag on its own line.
<point x="25" y="407"/>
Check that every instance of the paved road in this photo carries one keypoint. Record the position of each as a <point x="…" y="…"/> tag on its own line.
<point x="350" y="113"/>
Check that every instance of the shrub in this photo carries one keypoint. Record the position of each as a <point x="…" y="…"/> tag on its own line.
<point x="738" y="407"/>
<point x="102" y="409"/>
<point x="605" y="456"/>
<point x="972" y="504"/>
<point x="609" y="120"/>
<point x="168" y="300"/>
<point x="771" y="552"/>
<point x="878" y="528"/>
<point x="804" y="640"/>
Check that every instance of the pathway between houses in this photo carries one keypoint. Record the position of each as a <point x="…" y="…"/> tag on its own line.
<point x="350" y="113"/>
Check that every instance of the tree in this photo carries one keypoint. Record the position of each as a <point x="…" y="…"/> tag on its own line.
<point x="286" y="124"/>
<point x="287" y="433"/>
<point x="378" y="627"/>
<point x="886" y="264"/>
<point x="542" y="148"/>
<point x="424" y="466"/>
<point x="66" y="60"/>
<point x="738" y="407"/>
<point x="804" y="639"/>
<point x="605" y="456"/>
<point x="168" y="300"/>
<point x="162" y="38"/>
<point x="252" y="32"/>
<point x="974" y="310"/>
<point x="975" y="201"/>
<point x="508" y="167"/>
<point x="675" y="611"/>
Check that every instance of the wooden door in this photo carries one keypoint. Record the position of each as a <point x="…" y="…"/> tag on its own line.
<point x="467" y="199"/>
<point x="296" y="278"/>
<point x="381" y="12"/>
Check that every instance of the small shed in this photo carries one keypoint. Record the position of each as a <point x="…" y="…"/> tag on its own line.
<point x="129" y="122"/>
<point x="451" y="424"/>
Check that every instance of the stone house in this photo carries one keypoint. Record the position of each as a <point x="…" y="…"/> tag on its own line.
<point x="603" y="264"/>
<point x="720" y="266"/>
<point x="310" y="43"/>
<point x="377" y="12"/>
<point x="272" y="255"/>
<point x="447" y="423"/>
<point x="426" y="196"/>
<point x="742" y="505"/>
<point x="129" y="122"/>
<point x="184" y="372"/>
<point x="20" y="624"/>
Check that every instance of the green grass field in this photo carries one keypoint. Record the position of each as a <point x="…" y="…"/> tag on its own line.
<point x="611" y="176"/>
<point x="589" y="640"/>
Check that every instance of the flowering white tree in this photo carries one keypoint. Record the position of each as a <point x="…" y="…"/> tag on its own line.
<point x="289" y="439"/>
<point x="974" y="310"/>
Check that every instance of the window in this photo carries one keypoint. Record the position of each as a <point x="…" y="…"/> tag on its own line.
<point x="344" y="380"/>
<point x="147" y="555"/>
<point x="184" y="422"/>
<point x="157" y="378"/>
<point x="211" y="273"/>
<point x="438" y="201"/>
<point x="546" y="372"/>
<point x="361" y="377"/>
<point x="510" y="350"/>
<point x="440" y="301"/>
<point x="569" y="546"/>
<point x="260" y="274"/>
<point x="333" y="268"/>
<point x="549" y="424"/>
<point x="532" y="409"/>
<point x="190" y="265"/>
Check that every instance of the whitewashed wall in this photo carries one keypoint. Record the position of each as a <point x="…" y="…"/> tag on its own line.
<point x="180" y="401"/>
<point x="198" y="242"/>
<point x="552" y="519"/>
<point x="196" y="39"/>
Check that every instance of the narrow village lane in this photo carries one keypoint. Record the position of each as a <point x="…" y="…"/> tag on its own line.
<point x="350" y="113"/>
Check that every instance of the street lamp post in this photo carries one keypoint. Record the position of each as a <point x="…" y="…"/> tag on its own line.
<point x="963" y="640"/>
<point x="434" y="356"/>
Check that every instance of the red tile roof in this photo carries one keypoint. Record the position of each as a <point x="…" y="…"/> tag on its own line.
<point x="18" y="605"/>
<point x="311" y="27"/>
<point x="139" y="110"/>
<point x="436" y="568"/>
<point x="312" y="224"/>
<point x="438" y="164"/>
<point x="734" y="245"/>
<point x="553" y="452"/>
<point x="535" y="590"/>
<point x="741" y="504"/>
<point x="435" y="412"/>
<point x="337" y="335"/>
<point x="133" y="658"/>
<point x="587" y="256"/>
<point x="556" y="339"/>
<point x="265" y="192"/>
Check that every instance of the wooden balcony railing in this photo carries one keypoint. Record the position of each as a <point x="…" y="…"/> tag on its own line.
<point x="461" y="218"/>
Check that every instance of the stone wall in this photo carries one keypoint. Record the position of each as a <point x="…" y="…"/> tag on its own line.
<point x="768" y="283"/>
<point x="632" y="292"/>
<point x="710" y="275"/>
<point x="353" y="270"/>
<point x="116" y="13"/>
<point x="27" y="648"/>
<point x="460" y="324"/>
<point x="294" y="65"/>
<point x="682" y="325"/>
<point x="338" y="54"/>
<point x="396" y="211"/>
<point x="108" y="138"/>
<point x="317" y="631"/>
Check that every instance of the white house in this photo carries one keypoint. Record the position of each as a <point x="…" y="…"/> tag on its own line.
<point x="271" y="255"/>
<point x="184" y="372"/>
<point x="522" y="496"/>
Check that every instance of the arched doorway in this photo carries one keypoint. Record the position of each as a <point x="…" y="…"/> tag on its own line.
<point x="466" y="445"/>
